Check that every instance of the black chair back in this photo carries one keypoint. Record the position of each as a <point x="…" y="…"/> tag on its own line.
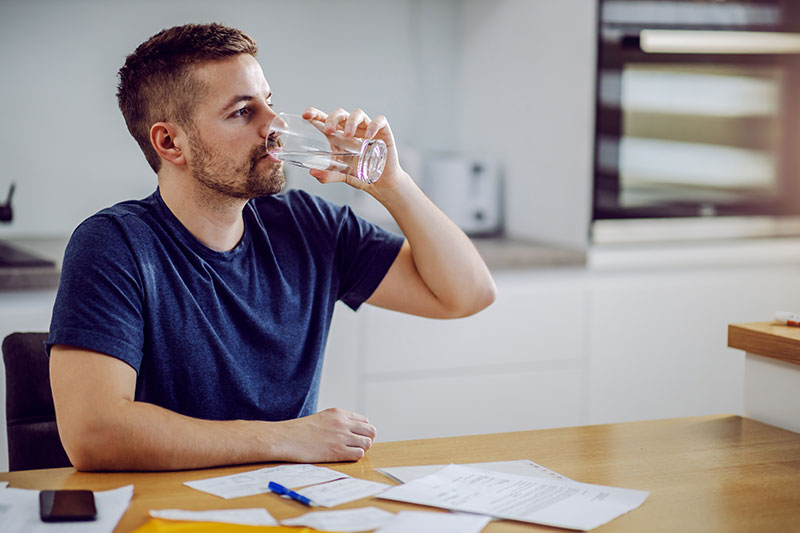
<point x="33" y="440"/>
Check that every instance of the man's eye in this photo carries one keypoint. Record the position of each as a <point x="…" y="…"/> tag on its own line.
<point x="242" y="112"/>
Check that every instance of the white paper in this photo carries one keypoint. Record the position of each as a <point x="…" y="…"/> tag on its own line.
<point x="257" y="481"/>
<point x="428" y="522"/>
<point x="551" y="502"/>
<point x="346" y="521"/>
<point x="522" y="467"/>
<point x="247" y="517"/>
<point x="3" y="484"/>
<point x="19" y="512"/>
<point x="342" y="491"/>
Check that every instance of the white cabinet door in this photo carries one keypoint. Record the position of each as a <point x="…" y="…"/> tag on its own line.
<point x="658" y="340"/>
<point x="537" y="317"/>
<point x="341" y="384"/>
<point x="517" y="365"/>
<point x="482" y="401"/>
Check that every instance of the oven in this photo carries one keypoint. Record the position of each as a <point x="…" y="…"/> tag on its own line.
<point x="697" y="116"/>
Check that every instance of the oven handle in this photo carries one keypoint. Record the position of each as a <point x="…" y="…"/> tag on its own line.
<point x="655" y="41"/>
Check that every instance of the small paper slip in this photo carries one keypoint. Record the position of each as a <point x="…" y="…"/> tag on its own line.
<point x="551" y="502"/>
<point x="342" y="491"/>
<point x="522" y="467"/>
<point x="346" y="521"/>
<point x="3" y="484"/>
<point x="257" y="481"/>
<point x="428" y="522"/>
<point x="246" y="517"/>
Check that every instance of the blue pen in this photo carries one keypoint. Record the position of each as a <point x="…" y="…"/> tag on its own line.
<point x="283" y="491"/>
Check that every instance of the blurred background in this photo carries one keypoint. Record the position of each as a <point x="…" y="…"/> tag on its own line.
<point x="634" y="189"/>
<point x="451" y="76"/>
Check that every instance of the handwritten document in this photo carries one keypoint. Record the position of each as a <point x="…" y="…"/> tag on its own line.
<point x="551" y="502"/>
<point x="342" y="491"/>
<point x="257" y="481"/>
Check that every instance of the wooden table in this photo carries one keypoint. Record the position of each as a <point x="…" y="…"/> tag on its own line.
<point x="768" y="339"/>
<point x="771" y="371"/>
<point x="716" y="473"/>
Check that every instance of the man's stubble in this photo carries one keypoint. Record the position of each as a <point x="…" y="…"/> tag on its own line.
<point x="252" y="178"/>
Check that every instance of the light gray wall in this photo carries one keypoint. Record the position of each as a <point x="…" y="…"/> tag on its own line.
<point x="63" y="139"/>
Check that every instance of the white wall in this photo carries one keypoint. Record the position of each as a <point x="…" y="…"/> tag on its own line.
<point x="63" y="139"/>
<point x="527" y="72"/>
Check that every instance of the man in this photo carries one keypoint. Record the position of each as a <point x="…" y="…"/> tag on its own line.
<point x="189" y="327"/>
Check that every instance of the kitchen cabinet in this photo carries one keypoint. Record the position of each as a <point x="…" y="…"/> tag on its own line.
<point x="657" y="345"/>
<point x="563" y="347"/>
<point x="501" y="370"/>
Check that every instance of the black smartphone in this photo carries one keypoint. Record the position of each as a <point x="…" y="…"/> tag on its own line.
<point x="66" y="505"/>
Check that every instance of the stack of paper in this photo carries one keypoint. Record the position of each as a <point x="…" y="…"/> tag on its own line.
<point x="551" y="502"/>
<point x="513" y="490"/>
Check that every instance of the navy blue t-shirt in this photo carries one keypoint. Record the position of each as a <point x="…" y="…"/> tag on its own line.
<point x="219" y="335"/>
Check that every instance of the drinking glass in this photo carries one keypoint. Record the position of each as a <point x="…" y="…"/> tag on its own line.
<point x="304" y="143"/>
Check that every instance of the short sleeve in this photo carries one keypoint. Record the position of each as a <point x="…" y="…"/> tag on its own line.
<point x="99" y="302"/>
<point x="364" y="254"/>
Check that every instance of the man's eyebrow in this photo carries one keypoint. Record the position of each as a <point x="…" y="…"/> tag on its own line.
<point x="242" y="98"/>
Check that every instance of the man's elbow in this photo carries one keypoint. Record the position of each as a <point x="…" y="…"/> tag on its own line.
<point x="480" y="297"/>
<point x="87" y="447"/>
<point x="82" y="455"/>
<point x="485" y="296"/>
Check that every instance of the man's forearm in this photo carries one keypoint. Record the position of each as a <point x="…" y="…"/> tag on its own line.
<point x="444" y="256"/>
<point x="103" y="428"/>
<point x="143" y="436"/>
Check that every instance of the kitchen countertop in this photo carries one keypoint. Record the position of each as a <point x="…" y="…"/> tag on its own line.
<point x="499" y="254"/>
<point x="767" y="339"/>
<point x="34" y="277"/>
<point x="509" y="254"/>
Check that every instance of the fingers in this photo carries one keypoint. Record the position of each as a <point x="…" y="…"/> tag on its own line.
<point x="356" y="119"/>
<point x="366" y="430"/>
<point x="364" y="443"/>
<point x="330" y="435"/>
<point x="337" y="117"/>
<point x="352" y="124"/>
<point x="380" y="122"/>
<point x="312" y="113"/>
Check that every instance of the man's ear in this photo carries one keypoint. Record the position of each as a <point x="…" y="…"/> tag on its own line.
<point x="167" y="140"/>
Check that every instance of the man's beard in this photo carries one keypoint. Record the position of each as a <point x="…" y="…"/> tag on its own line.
<point x="244" y="181"/>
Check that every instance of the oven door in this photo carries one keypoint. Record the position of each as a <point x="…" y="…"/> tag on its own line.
<point x="697" y="123"/>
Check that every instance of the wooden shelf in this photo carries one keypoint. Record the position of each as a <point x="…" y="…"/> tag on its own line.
<point x="768" y="339"/>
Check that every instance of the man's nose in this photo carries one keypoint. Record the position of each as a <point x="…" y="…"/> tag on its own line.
<point x="269" y="118"/>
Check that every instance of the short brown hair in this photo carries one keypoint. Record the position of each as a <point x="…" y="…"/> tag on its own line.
<point x="156" y="83"/>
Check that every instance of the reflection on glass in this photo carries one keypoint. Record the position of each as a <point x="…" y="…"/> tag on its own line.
<point x="696" y="131"/>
